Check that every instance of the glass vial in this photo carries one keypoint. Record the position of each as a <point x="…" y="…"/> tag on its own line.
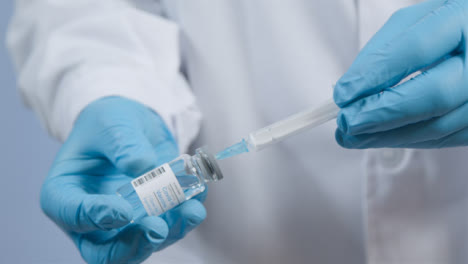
<point x="165" y="187"/>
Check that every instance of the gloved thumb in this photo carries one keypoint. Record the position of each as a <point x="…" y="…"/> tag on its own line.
<point x="132" y="153"/>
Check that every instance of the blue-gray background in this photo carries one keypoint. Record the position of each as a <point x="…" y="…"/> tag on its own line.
<point x="26" y="153"/>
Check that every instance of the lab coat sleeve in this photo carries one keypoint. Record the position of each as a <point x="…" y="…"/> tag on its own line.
<point x="70" y="53"/>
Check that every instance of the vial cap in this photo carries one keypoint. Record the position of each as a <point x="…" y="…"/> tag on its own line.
<point x="210" y="164"/>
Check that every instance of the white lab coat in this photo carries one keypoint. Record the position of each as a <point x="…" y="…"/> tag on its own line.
<point x="250" y="63"/>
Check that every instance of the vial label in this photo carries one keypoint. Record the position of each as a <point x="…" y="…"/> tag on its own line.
<point x="159" y="190"/>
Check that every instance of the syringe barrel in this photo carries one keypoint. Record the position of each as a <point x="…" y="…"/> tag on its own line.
<point x="292" y="125"/>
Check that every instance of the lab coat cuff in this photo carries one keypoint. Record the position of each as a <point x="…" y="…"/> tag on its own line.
<point x="173" y="102"/>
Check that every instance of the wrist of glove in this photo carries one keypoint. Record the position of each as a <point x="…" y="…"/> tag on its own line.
<point x="113" y="140"/>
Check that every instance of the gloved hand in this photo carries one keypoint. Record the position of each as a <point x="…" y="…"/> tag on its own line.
<point x="113" y="140"/>
<point x="428" y="111"/>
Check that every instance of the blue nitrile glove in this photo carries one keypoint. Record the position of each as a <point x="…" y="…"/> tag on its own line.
<point x="428" y="111"/>
<point x="113" y="140"/>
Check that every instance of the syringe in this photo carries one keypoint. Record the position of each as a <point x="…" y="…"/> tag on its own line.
<point x="283" y="129"/>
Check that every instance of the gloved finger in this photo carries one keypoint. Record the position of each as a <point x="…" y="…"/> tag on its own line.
<point x="132" y="153"/>
<point x="202" y="196"/>
<point x="457" y="139"/>
<point x="133" y="244"/>
<point x="75" y="210"/>
<point x="431" y="94"/>
<point x="422" y="134"/>
<point x="182" y="219"/>
<point x="381" y="66"/>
